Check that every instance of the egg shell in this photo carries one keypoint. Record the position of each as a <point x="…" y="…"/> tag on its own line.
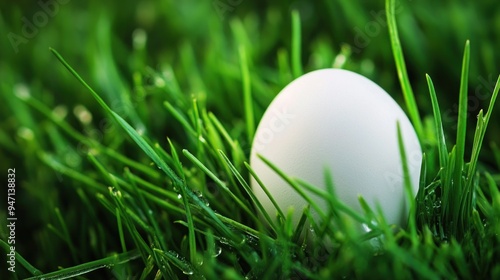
<point x="340" y="120"/>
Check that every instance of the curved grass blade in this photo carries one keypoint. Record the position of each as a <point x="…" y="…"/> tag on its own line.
<point x="19" y="259"/>
<point x="478" y="138"/>
<point x="397" y="51"/>
<point x="85" y="268"/>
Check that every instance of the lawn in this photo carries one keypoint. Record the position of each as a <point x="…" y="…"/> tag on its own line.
<point x="127" y="129"/>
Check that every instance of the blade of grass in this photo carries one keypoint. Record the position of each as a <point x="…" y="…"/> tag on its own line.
<point x="248" y="190"/>
<point x="296" y="45"/>
<point x="65" y="233"/>
<point x="438" y="123"/>
<point x="180" y="117"/>
<point x="221" y="184"/>
<point x="461" y="203"/>
<point x="397" y="51"/>
<point x="462" y="116"/>
<point x="295" y="185"/>
<point x="266" y="191"/>
<point x="85" y="268"/>
<point x="72" y="173"/>
<point x="247" y="93"/>
<point x="21" y="260"/>
<point x="479" y="138"/>
<point x="410" y="200"/>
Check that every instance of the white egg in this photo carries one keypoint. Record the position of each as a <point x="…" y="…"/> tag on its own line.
<point x="340" y="120"/>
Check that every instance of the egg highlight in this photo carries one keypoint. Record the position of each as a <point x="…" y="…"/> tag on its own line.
<point x="342" y="121"/>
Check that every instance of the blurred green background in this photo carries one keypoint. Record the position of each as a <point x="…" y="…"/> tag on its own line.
<point x="121" y="48"/>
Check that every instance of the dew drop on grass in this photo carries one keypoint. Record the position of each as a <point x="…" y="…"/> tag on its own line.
<point x="199" y="260"/>
<point x="217" y="251"/>
<point x="224" y="241"/>
<point x="202" y="198"/>
<point x="179" y="196"/>
<point x="437" y="204"/>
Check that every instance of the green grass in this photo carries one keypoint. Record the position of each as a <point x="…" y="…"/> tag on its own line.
<point x="156" y="185"/>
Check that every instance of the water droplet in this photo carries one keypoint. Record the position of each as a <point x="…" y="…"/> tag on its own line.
<point x="224" y="241"/>
<point x="174" y="254"/>
<point x="217" y="251"/>
<point x="202" y="198"/>
<point x="199" y="260"/>
<point x="179" y="196"/>
<point x="437" y="204"/>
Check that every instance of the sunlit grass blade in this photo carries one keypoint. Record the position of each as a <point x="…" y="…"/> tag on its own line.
<point x="85" y="268"/>
<point x="438" y="124"/>
<point x="462" y="117"/>
<point x="481" y="131"/>
<point x="462" y="203"/>
<point x="404" y="80"/>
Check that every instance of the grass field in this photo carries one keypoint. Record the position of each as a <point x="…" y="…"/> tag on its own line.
<point x="127" y="127"/>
